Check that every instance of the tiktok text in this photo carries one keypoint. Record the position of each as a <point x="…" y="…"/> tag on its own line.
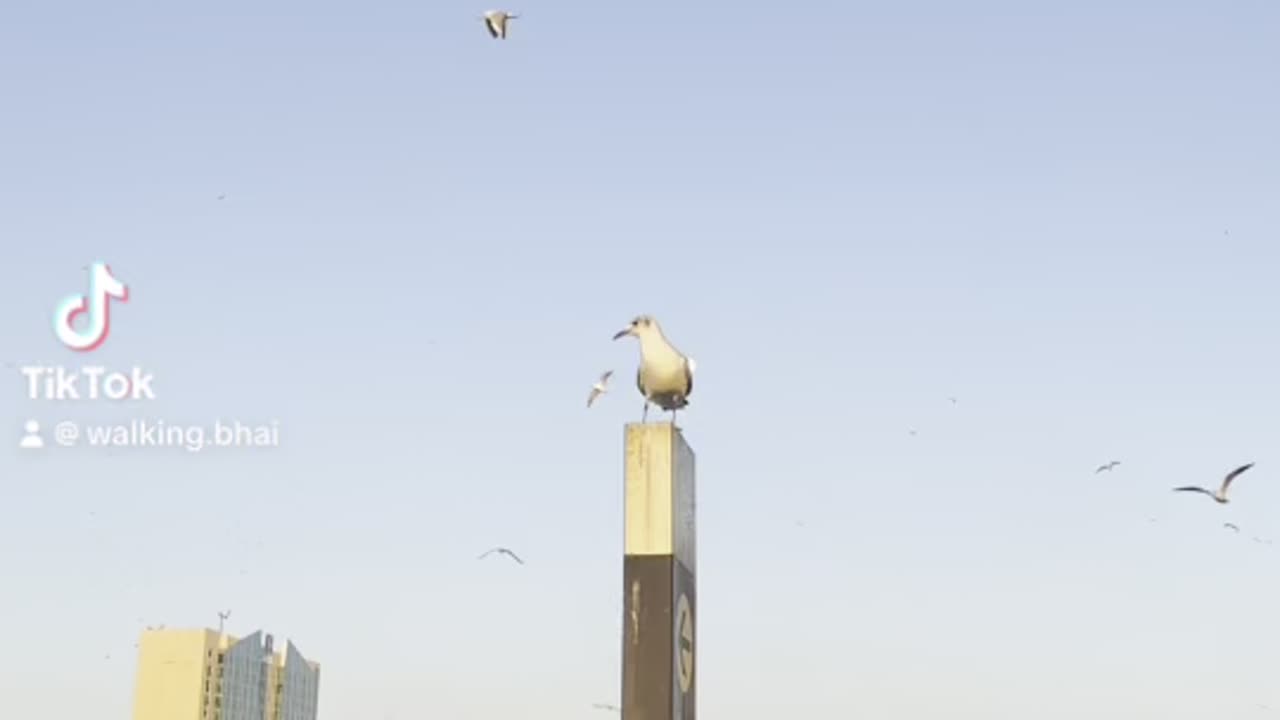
<point x="87" y="383"/>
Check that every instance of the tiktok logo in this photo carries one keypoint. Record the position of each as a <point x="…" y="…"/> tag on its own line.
<point x="103" y="286"/>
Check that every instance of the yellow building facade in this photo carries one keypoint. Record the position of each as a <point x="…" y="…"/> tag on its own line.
<point x="207" y="675"/>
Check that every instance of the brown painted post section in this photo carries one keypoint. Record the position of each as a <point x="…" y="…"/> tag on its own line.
<point x="659" y="676"/>
<point x="647" y="670"/>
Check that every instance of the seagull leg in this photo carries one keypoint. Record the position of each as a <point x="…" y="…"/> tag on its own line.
<point x="645" y="416"/>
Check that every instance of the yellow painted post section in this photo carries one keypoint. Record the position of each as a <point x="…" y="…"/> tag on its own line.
<point x="649" y="489"/>
<point x="659" y="492"/>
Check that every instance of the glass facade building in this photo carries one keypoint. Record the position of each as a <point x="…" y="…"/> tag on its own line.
<point x="246" y="667"/>
<point x="299" y="688"/>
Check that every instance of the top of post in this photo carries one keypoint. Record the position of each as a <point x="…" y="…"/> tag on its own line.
<point x="660" y="492"/>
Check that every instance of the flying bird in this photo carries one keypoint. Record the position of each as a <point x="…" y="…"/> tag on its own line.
<point x="495" y="21"/>
<point x="501" y="551"/>
<point x="1231" y="526"/>
<point x="606" y="706"/>
<point x="601" y="387"/>
<point x="1221" y="495"/>
<point x="665" y="375"/>
<point x="1107" y="467"/>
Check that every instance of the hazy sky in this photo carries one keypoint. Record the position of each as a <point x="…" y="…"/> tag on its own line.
<point x="1066" y="216"/>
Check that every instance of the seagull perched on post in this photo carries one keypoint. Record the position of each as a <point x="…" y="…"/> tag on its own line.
<point x="496" y="22"/>
<point x="601" y="387"/>
<point x="665" y="375"/>
<point x="1221" y="495"/>
<point x="502" y="551"/>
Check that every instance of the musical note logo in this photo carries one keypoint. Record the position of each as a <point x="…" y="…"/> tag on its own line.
<point x="103" y="286"/>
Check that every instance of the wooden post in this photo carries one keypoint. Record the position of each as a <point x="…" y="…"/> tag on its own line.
<point x="659" y="576"/>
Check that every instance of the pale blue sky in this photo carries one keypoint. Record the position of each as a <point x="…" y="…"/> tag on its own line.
<point x="1067" y="216"/>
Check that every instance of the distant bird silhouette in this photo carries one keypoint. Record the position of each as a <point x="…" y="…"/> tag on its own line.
<point x="501" y="551"/>
<point x="605" y="706"/>
<point x="1221" y="495"/>
<point x="1231" y="526"/>
<point x="1104" y="468"/>
<point x="495" y="21"/>
<point x="222" y="197"/>
<point x="953" y="400"/>
<point x="601" y="387"/>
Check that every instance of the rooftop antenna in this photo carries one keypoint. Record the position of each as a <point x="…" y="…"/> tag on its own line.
<point x="222" y="618"/>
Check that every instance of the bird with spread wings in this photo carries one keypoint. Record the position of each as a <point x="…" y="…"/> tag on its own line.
<point x="1220" y="496"/>
<point x="601" y="387"/>
<point x="501" y="551"/>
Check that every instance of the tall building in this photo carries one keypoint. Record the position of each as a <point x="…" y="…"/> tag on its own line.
<point x="207" y="675"/>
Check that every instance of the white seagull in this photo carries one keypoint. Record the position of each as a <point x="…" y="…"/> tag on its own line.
<point x="502" y="551"/>
<point x="665" y="375"/>
<point x="496" y="22"/>
<point x="601" y="387"/>
<point x="1221" y="495"/>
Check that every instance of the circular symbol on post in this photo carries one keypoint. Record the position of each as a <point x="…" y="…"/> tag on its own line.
<point x="684" y="641"/>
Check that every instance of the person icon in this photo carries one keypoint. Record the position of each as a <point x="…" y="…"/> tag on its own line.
<point x="32" y="440"/>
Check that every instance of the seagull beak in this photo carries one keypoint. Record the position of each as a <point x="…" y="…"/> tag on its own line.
<point x="621" y="334"/>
